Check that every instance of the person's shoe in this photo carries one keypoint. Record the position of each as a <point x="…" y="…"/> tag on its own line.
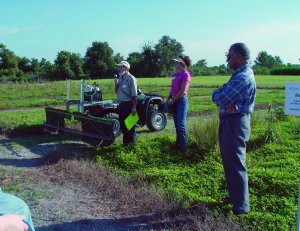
<point x="240" y="212"/>
<point x="182" y="149"/>
<point x="129" y="144"/>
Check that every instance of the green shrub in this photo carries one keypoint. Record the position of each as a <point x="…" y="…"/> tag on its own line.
<point x="271" y="132"/>
<point x="279" y="114"/>
<point x="261" y="71"/>
<point x="256" y="119"/>
<point x="204" y="132"/>
<point x="286" y="71"/>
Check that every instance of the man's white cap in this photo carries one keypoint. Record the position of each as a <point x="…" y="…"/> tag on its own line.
<point x="180" y="60"/>
<point x="123" y="63"/>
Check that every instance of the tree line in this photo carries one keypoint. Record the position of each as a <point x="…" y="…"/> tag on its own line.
<point x="99" y="62"/>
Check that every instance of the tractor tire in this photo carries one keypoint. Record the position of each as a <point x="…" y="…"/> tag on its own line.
<point x="115" y="118"/>
<point x="156" y="120"/>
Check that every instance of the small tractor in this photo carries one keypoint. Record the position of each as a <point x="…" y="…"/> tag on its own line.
<point x="100" y="118"/>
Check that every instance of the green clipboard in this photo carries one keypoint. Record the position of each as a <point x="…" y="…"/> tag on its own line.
<point x="131" y="120"/>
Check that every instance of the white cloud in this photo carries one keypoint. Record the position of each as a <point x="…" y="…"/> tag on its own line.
<point x="268" y="30"/>
<point x="4" y="31"/>
<point x="276" y="37"/>
<point x="279" y="38"/>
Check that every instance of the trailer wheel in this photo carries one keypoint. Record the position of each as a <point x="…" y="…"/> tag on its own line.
<point x="115" y="118"/>
<point x="156" y="120"/>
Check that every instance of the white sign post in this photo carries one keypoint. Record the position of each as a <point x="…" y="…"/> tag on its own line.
<point x="292" y="99"/>
<point x="292" y="107"/>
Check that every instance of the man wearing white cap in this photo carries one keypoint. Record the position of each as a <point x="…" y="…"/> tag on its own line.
<point x="126" y="89"/>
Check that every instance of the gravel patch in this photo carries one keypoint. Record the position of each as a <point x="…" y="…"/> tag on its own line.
<point x="66" y="191"/>
<point x="56" y="201"/>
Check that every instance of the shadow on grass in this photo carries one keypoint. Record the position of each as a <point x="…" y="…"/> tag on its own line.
<point x="255" y="144"/>
<point x="118" y="224"/>
<point x="33" y="151"/>
<point x="195" y="218"/>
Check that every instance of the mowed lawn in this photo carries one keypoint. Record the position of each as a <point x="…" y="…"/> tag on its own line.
<point x="24" y="95"/>
<point x="35" y="96"/>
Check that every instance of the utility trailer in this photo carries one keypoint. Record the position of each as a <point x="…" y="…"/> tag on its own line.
<point x="99" y="118"/>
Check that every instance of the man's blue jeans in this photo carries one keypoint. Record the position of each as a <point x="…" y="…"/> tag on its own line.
<point x="180" y="109"/>
<point x="233" y="135"/>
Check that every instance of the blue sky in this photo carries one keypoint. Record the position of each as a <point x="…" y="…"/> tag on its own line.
<point x="36" y="28"/>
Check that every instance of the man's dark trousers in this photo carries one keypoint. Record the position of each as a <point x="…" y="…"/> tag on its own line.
<point x="125" y="109"/>
<point x="234" y="132"/>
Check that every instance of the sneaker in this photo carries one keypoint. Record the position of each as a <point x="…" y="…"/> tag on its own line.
<point x="182" y="149"/>
<point x="241" y="212"/>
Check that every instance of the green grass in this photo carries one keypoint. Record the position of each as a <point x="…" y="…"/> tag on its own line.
<point x="10" y="120"/>
<point x="18" y="95"/>
<point x="26" y="103"/>
<point x="6" y="184"/>
<point x="263" y="81"/>
<point x="25" y="95"/>
<point x="12" y="182"/>
<point x="197" y="177"/>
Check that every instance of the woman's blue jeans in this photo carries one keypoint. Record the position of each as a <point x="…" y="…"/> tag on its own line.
<point x="180" y="109"/>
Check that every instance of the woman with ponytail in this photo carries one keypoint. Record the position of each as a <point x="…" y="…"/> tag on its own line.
<point x="178" y="99"/>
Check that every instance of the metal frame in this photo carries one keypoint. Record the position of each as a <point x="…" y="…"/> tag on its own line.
<point x="92" y="127"/>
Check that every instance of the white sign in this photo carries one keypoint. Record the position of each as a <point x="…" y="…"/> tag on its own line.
<point x="292" y="99"/>
<point x="292" y="107"/>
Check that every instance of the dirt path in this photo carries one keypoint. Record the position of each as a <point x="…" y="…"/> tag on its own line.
<point x="63" y="194"/>
<point x="66" y="190"/>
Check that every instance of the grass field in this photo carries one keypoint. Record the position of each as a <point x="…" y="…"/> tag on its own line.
<point x="15" y="95"/>
<point x="39" y="95"/>
<point x="197" y="178"/>
<point x="10" y="120"/>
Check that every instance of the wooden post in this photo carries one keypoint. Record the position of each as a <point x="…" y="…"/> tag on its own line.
<point x="68" y="89"/>
<point x="81" y="105"/>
